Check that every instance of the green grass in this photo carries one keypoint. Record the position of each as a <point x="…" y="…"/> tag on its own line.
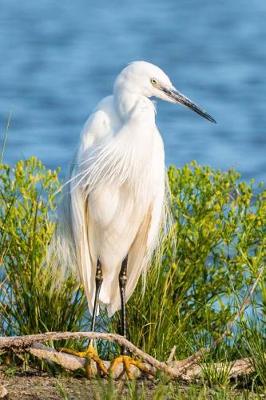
<point x="210" y="257"/>
<point x="255" y="345"/>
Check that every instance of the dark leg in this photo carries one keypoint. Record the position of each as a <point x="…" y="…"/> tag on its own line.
<point x="122" y="286"/>
<point x="98" y="282"/>
<point x="125" y="358"/>
<point x="91" y="352"/>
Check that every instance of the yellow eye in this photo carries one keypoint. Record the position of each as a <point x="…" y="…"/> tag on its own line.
<point x="153" y="81"/>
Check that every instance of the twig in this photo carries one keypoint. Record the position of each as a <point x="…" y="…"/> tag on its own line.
<point x="171" y="355"/>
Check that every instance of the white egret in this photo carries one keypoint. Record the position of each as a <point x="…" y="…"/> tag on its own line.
<point x="116" y="197"/>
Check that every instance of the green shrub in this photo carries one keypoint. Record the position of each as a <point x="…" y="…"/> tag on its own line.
<point x="211" y="255"/>
<point x="32" y="299"/>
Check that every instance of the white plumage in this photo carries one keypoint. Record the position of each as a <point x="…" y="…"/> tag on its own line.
<point x="115" y="203"/>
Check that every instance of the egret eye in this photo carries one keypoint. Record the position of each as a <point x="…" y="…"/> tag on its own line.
<point x="153" y="81"/>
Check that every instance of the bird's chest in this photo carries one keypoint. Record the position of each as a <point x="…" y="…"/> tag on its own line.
<point x="147" y="163"/>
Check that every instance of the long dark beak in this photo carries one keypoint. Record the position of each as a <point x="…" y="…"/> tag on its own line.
<point x="178" y="97"/>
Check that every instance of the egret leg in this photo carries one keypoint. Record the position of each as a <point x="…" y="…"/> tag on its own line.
<point x="122" y="287"/>
<point x="91" y="352"/>
<point x="124" y="357"/>
<point x="98" y="284"/>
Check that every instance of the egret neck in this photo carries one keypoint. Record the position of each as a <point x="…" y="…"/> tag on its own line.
<point x="132" y="104"/>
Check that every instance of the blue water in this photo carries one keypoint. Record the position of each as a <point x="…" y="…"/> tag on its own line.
<point x="59" y="58"/>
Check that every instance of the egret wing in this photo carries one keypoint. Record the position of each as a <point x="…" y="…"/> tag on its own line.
<point x="73" y="245"/>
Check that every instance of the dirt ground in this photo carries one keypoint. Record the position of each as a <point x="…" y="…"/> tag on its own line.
<point x="47" y="388"/>
<point x="34" y="385"/>
<point x="50" y="388"/>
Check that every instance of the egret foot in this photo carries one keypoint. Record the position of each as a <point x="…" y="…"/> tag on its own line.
<point x="127" y="361"/>
<point x="90" y="355"/>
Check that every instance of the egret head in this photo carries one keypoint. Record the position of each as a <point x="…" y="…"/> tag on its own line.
<point x="146" y="79"/>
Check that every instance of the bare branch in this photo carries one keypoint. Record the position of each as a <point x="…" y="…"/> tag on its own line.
<point x="69" y="362"/>
<point x="175" y="369"/>
<point x="25" y="342"/>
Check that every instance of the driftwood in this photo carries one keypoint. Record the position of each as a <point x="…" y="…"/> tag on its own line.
<point x="176" y="369"/>
<point x="187" y="369"/>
